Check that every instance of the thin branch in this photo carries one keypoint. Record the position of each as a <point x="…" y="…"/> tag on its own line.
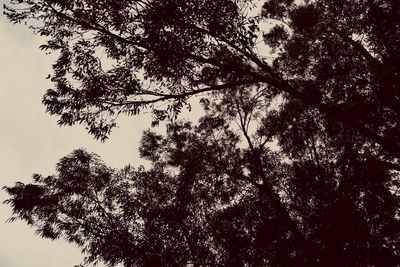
<point x="186" y="94"/>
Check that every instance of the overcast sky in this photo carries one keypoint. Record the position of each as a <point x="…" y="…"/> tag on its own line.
<point x="31" y="142"/>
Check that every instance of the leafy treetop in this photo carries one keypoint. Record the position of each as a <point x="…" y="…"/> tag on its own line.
<point x="339" y="57"/>
<point x="319" y="78"/>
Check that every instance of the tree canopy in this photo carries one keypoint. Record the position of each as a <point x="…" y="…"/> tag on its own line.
<point x="320" y="79"/>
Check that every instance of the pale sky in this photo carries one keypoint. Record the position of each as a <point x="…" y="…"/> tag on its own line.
<point x="31" y="142"/>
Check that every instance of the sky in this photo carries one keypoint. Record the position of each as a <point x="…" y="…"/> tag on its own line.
<point x="31" y="142"/>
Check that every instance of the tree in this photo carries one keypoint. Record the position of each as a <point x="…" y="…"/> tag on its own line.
<point x="184" y="48"/>
<point x="322" y="81"/>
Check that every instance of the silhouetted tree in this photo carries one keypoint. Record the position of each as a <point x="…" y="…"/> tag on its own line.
<point x="339" y="57"/>
<point x="318" y="78"/>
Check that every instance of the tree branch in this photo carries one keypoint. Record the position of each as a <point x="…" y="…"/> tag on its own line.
<point x="163" y="97"/>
